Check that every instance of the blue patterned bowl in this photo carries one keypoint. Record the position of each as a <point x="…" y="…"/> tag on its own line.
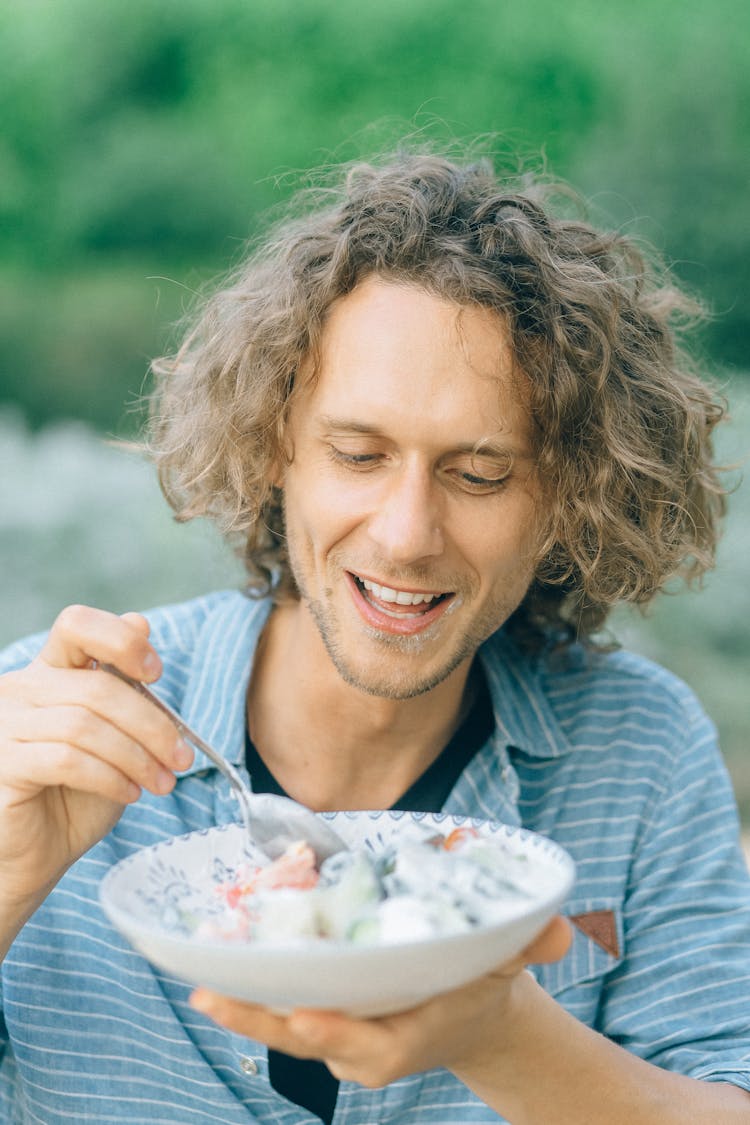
<point x="154" y="896"/>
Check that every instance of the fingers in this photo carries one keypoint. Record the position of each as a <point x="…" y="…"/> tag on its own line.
<point x="81" y="635"/>
<point x="57" y="765"/>
<point x="444" y="1031"/>
<point x="551" y="944"/>
<point x="253" y="1021"/>
<point x="352" y="1049"/>
<point x="146" y="759"/>
<point x="89" y="730"/>
<point x="97" y="713"/>
<point x="372" y="1052"/>
<point x="78" y="744"/>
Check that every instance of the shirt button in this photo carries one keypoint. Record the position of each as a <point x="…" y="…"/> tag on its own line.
<point x="247" y="1065"/>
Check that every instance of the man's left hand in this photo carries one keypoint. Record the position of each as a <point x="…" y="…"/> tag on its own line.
<point x="451" y="1030"/>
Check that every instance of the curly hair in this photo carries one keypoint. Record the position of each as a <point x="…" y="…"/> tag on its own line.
<point x="622" y="421"/>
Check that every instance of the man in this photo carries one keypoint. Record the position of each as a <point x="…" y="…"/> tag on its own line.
<point x="450" y="431"/>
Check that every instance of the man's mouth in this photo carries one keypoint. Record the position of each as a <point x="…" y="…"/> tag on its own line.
<point x="396" y="597"/>
<point x="408" y="610"/>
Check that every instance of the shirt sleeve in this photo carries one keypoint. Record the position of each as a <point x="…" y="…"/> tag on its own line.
<point x="3" y="1026"/>
<point x="681" y="995"/>
<point x="21" y="653"/>
<point x="11" y="1097"/>
<point x="11" y="658"/>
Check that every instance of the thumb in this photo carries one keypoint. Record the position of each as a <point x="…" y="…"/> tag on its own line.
<point x="551" y="944"/>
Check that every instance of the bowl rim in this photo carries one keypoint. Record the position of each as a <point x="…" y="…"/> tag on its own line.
<point x="324" y="948"/>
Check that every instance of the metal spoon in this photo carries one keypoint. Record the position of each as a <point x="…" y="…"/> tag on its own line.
<point x="272" y="822"/>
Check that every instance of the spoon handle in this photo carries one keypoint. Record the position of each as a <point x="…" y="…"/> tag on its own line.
<point x="272" y="822"/>
<point x="189" y="735"/>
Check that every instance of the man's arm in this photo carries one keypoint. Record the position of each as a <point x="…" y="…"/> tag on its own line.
<point x="506" y="1039"/>
<point x="547" y="1066"/>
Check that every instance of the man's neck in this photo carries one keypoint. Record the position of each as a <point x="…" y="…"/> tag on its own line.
<point x="331" y="745"/>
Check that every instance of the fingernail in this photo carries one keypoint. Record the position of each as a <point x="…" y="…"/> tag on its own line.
<point x="183" y="754"/>
<point x="151" y="664"/>
<point x="164" y="781"/>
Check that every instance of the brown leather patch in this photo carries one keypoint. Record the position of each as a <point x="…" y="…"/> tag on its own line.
<point x="601" y="927"/>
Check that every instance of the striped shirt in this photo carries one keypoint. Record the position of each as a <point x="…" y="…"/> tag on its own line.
<point x="609" y="755"/>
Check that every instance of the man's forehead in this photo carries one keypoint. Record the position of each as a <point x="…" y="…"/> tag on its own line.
<point x="392" y="350"/>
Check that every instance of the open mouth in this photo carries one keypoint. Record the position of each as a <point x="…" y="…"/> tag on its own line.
<point x="399" y="603"/>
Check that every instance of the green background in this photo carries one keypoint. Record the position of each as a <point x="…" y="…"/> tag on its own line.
<point x="144" y="143"/>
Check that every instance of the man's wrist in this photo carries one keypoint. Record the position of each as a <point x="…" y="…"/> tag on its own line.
<point x="15" y="911"/>
<point x="490" y="1057"/>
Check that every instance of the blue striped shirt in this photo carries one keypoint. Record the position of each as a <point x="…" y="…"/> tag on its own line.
<point x="610" y="756"/>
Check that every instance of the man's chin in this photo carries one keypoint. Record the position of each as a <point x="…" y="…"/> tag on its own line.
<point x="385" y="689"/>
<point x="385" y="666"/>
<point x="391" y="680"/>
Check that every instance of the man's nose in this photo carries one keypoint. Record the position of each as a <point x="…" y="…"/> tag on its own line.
<point x="407" y="525"/>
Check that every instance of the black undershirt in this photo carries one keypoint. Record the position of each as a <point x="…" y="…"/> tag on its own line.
<point x="308" y="1082"/>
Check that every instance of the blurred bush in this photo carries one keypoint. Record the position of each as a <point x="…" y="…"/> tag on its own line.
<point x="83" y="521"/>
<point x="142" y="141"/>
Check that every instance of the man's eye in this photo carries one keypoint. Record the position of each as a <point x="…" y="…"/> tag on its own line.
<point x="353" y="460"/>
<point x="474" y="483"/>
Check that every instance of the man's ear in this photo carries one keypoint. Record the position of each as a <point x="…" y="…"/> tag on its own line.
<point x="281" y="462"/>
<point x="284" y="452"/>
<point x="276" y="472"/>
<point x="281" y="455"/>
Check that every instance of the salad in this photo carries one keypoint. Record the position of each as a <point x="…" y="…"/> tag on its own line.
<point x="422" y="885"/>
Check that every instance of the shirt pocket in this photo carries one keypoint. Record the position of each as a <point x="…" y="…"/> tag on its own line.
<point x="596" y="950"/>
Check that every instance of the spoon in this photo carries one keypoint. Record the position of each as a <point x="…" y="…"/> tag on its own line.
<point x="273" y="822"/>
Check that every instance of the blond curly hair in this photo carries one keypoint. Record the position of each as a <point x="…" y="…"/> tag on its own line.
<point x="623" y="422"/>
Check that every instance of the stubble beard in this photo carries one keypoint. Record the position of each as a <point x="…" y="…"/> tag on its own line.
<point x="382" y="680"/>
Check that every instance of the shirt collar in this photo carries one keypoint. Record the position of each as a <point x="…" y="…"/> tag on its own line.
<point x="214" y="701"/>
<point x="523" y="715"/>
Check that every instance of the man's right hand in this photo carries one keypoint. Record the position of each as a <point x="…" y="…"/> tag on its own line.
<point x="76" y="746"/>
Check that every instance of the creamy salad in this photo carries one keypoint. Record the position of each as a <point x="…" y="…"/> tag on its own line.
<point x="422" y="885"/>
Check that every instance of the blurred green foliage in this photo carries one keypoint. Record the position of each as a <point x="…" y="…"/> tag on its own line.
<point x="142" y="142"/>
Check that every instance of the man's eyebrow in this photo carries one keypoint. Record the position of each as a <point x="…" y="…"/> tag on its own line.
<point x="347" y="425"/>
<point x="491" y="446"/>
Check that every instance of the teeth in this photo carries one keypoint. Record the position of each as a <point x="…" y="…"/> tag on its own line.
<point x="400" y="597"/>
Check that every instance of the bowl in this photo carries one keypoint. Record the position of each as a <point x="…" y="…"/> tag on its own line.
<point x="149" y="895"/>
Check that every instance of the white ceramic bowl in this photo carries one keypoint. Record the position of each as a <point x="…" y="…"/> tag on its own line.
<point x="146" y="894"/>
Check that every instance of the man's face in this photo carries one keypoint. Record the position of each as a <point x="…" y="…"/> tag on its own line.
<point x="408" y="548"/>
